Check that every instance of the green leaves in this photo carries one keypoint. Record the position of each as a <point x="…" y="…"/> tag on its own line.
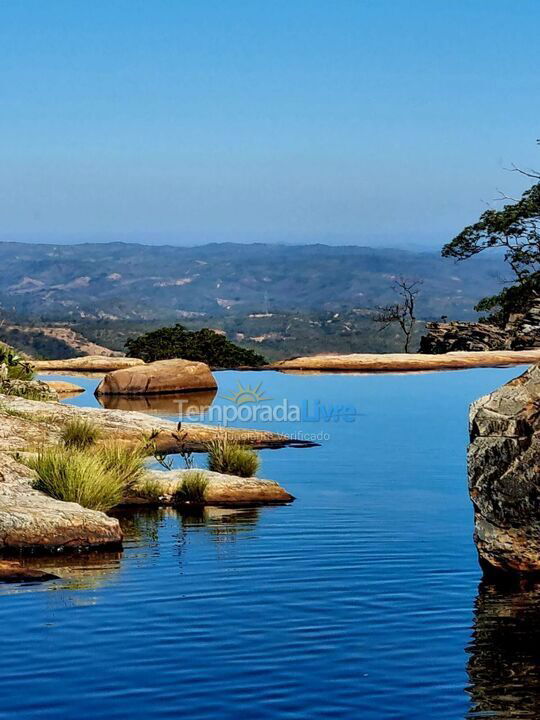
<point x="202" y="346"/>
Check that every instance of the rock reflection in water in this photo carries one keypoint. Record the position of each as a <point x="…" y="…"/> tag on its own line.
<point x="173" y="404"/>
<point x="223" y="524"/>
<point x="504" y="655"/>
<point x="91" y="570"/>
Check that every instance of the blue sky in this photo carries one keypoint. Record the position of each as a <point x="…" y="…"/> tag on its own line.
<point x="373" y="122"/>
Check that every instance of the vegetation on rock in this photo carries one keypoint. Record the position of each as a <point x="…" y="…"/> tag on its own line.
<point x="201" y="345"/>
<point x="76" y="476"/>
<point x="516" y="230"/>
<point x="96" y="478"/>
<point x="193" y="488"/>
<point x="79" y="433"/>
<point x="231" y="458"/>
<point x="13" y="366"/>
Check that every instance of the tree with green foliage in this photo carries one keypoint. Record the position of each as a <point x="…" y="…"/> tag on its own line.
<point x="516" y="230"/>
<point x="201" y="345"/>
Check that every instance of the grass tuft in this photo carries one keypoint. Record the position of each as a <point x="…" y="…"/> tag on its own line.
<point x="124" y="461"/>
<point x="97" y="479"/>
<point x="192" y="488"/>
<point x="75" y="475"/>
<point x="226" y="456"/>
<point x="150" y="489"/>
<point x="79" y="433"/>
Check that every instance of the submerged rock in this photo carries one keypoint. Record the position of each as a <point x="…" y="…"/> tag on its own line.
<point x="504" y="475"/>
<point x="163" y="376"/>
<point x="15" y="572"/>
<point x="30" y="520"/>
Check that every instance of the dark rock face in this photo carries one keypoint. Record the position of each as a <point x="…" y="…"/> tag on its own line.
<point x="504" y="475"/>
<point x="456" y="336"/>
<point x="522" y="332"/>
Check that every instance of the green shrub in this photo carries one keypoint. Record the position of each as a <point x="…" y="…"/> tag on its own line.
<point x="192" y="488"/>
<point x="76" y="476"/>
<point x="201" y="345"/>
<point x="124" y="461"/>
<point x="227" y="456"/>
<point x="27" y="389"/>
<point x="79" y="433"/>
<point x="13" y="366"/>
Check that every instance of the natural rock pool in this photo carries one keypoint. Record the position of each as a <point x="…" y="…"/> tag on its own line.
<point x="362" y="599"/>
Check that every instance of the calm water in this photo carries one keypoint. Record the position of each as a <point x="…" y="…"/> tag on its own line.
<point x="359" y="600"/>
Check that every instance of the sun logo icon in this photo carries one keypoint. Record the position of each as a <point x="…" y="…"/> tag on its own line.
<point x="247" y="394"/>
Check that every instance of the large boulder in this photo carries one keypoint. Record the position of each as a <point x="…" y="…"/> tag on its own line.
<point x="504" y="475"/>
<point x="163" y="376"/>
<point x="30" y="520"/>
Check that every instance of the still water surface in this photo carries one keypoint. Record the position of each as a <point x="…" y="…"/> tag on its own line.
<point x="362" y="599"/>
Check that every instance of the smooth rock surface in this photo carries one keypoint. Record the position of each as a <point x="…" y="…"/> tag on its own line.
<point x="30" y="520"/>
<point x="222" y="489"/>
<point x="64" y="388"/>
<point x="25" y="423"/>
<point x="87" y="363"/>
<point x="163" y="376"/>
<point x="504" y="475"/>
<point x="402" y="362"/>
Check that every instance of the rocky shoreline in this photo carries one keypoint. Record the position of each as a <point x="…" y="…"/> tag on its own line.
<point x="32" y="522"/>
<point x="504" y="476"/>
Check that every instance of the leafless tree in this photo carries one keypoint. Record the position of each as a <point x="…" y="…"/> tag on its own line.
<point x="403" y="311"/>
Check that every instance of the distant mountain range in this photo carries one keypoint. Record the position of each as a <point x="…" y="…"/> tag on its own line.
<point x="138" y="282"/>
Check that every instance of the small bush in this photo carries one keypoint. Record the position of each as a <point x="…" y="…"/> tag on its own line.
<point x="79" y="433"/>
<point x="125" y="462"/>
<point x="226" y="456"/>
<point x="77" y="476"/>
<point x="13" y="366"/>
<point x="193" y="488"/>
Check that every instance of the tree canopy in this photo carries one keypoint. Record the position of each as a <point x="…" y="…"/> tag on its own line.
<point x="201" y="345"/>
<point x="516" y="229"/>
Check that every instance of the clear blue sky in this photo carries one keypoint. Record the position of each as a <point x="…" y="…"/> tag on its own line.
<point x="377" y="122"/>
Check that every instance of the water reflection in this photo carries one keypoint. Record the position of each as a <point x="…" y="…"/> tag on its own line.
<point x="141" y="528"/>
<point x="176" y="404"/>
<point x="222" y="524"/>
<point x="504" y="655"/>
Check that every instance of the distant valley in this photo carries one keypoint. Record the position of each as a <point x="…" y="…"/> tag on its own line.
<point x="280" y="299"/>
